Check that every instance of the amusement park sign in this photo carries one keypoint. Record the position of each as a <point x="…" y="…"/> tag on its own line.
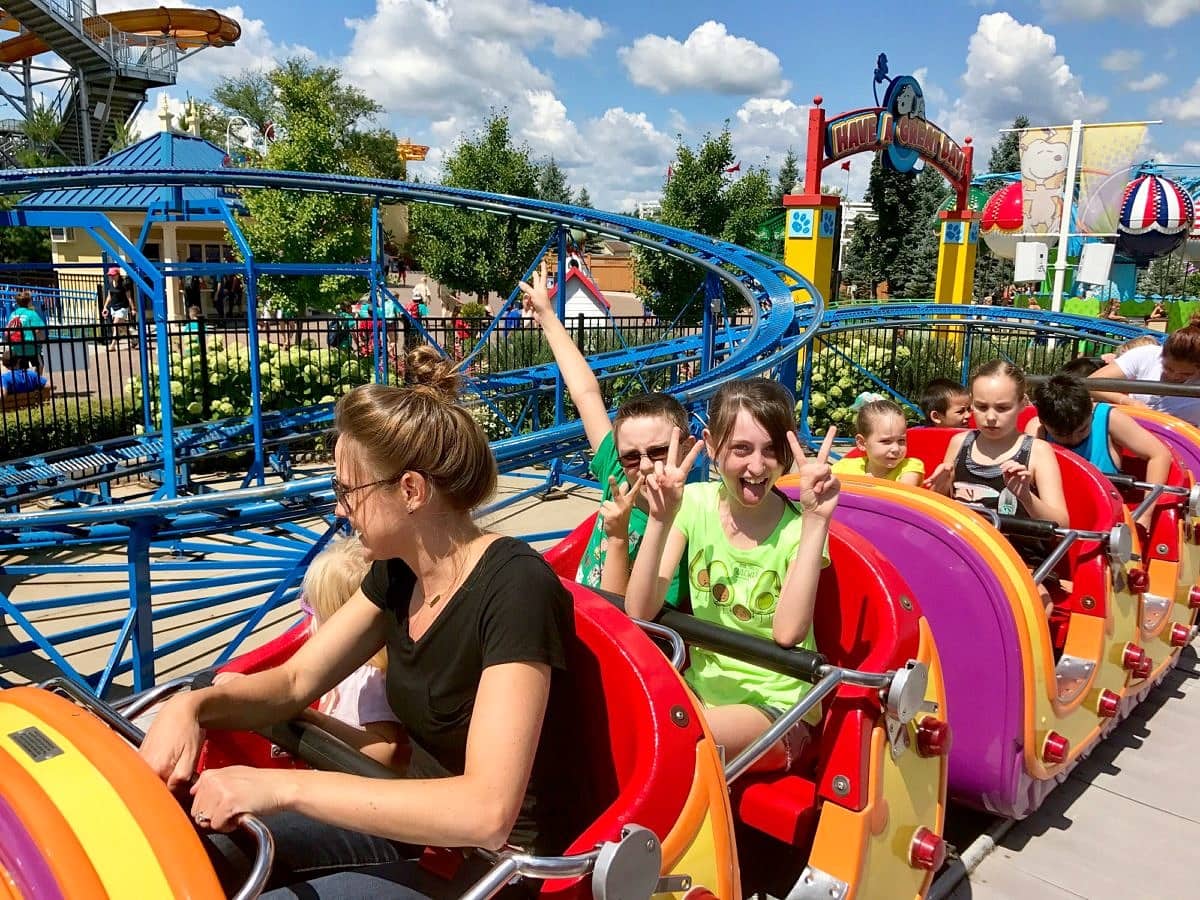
<point x="900" y="128"/>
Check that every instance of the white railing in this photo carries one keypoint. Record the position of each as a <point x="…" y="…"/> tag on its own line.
<point x="150" y="55"/>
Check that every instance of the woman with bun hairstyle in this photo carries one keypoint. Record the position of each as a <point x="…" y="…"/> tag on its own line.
<point x="1175" y="362"/>
<point x="476" y="628"/>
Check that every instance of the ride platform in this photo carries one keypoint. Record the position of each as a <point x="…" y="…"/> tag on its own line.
<point x="1118" y="795"/>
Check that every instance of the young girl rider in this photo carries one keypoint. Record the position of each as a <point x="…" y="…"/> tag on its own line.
<point x="996" y="466"/>
<point x="754" y="559"/>
<point x="624" y="452"/>
<point x="882" y="437"/>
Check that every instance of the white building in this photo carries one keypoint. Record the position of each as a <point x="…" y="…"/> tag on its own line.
<point x="583" y="297"/>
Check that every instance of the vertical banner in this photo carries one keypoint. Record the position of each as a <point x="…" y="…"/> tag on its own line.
<point x="1104" y="162"/>
<point x="1044" y="154"/>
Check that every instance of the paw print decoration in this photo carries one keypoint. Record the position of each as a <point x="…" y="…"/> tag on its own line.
<point x="800" y="223"/>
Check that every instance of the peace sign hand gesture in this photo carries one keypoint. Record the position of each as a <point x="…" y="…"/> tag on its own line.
<point x="819" y="487"/>
<point x="536" y="298"/>
<point x="664" y="486"/>
<point x="614" y="512"/>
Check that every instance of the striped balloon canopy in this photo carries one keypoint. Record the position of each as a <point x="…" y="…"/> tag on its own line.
<point x="1156" y="216"/>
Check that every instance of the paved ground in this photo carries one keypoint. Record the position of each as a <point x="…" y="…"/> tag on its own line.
<point x="1126" y="821"/>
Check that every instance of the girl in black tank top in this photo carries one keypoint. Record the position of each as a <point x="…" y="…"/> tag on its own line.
<point x="995" y="465"/>
<point x="984" y="483"/>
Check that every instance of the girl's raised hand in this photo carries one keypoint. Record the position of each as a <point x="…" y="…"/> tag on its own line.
<point x="818" y="486"/>
<point x="614" y="512"/>
<point x="664" y="486"/>
<point x="536" y="299"/>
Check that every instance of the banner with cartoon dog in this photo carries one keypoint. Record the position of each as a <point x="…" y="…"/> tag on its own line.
<point x="1043" y="177"/>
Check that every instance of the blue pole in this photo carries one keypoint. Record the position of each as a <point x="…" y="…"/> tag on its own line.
<point x="258" y="467"/>
<point x="140" y="597"/>
<point x="554" y="478"/>
<point x="156" y="285"/>
<point x="373" y="279"/>
<point x="712" y="294"/>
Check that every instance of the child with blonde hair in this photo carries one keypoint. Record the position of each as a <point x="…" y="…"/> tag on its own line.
<point x="882" y="437"/>
<point x="357" y="711"/>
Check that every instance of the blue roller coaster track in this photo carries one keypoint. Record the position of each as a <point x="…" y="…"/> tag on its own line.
<point x="238" y="554"/>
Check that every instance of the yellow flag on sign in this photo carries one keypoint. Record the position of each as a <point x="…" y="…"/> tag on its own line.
<point x="1105" y="159"/>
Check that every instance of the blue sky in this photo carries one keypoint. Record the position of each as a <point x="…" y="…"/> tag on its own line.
<point x="607" y="87"/>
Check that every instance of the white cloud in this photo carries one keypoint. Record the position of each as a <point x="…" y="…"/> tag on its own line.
<point x="1015" y="69"/>
<point x="709" y="59"/>
<point x="1185" y="108"/>
<point x="1190" y="150"/>
<point x="1159" y="13"/>
<point x="1122" y="60"/>
<point x="526" y="24"/>
<point x="1151" y="82"/>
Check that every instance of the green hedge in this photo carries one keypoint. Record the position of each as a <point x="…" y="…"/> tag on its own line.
<point x="62" y="423"/>
<point x="290" y="377"/>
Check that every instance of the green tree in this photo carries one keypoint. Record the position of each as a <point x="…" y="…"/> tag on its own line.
<point x="701" y="197"/>
<point x="921" y="250"/>
<point x="476" y="253"/>
<point x="861" y="267"/>
<point x="552" y="183"/>
<point x="20" y="244"/>
<point x="126" y="136"/>
<point x="325" y="128"/>
<point x="584" y="199"/>
<point x="785" y="183"/>
<point x="893" y="197"/>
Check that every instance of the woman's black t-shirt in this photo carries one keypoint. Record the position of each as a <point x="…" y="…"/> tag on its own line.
<point x="511" y="608"/>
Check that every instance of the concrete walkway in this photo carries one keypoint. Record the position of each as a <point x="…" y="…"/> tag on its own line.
<point x="1125" y="822"/>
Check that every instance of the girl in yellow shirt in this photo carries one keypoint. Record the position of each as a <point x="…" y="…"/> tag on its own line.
<point x="882" y="437"/>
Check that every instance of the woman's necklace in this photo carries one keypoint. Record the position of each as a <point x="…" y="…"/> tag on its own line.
<point x="431" y="602"/>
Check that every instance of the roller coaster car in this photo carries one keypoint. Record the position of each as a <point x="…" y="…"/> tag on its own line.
<point x="862" y="815"/>
<point x="1026" y="698"/>
<point x="1164" y="576"/>
<point x="645" y="758"/>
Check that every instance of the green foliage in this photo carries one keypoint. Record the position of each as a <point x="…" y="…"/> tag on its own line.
<point x="1169" y="277"/>
<point x="469" y="252"/>
<point x="22" y="244"/>
<point x="290" y="377"/>
<point x="584" y="199"/>
<point x="552" y="183"/>
<point x="324" y="129"/>
<point x="1006" y="154"/>
<point x="63" y="422"/>
<point x="785" y="183"/>
<point x="700" y="197"/>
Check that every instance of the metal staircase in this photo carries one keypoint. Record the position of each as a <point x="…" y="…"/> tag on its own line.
<point x="112" y="70"/>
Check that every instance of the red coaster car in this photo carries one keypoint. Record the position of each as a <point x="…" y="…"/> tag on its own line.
<point x="863" y="816"/>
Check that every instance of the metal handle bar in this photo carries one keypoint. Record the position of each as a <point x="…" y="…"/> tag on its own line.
<point x="135" y="704"/>
<point x="510" y="865"/>
<point x="738" y="766"/>
<point x="795" y="661"/>
<point x="1130" y="386"/>
<point x="260" y="870"/>
<point x="672" y="637"/>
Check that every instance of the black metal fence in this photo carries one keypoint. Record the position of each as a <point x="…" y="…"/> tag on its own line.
<point x="101" y="390"/>
<point x="898" y="361"/>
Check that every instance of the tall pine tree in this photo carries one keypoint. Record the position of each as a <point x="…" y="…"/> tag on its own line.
<point x="785" y="183"/>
